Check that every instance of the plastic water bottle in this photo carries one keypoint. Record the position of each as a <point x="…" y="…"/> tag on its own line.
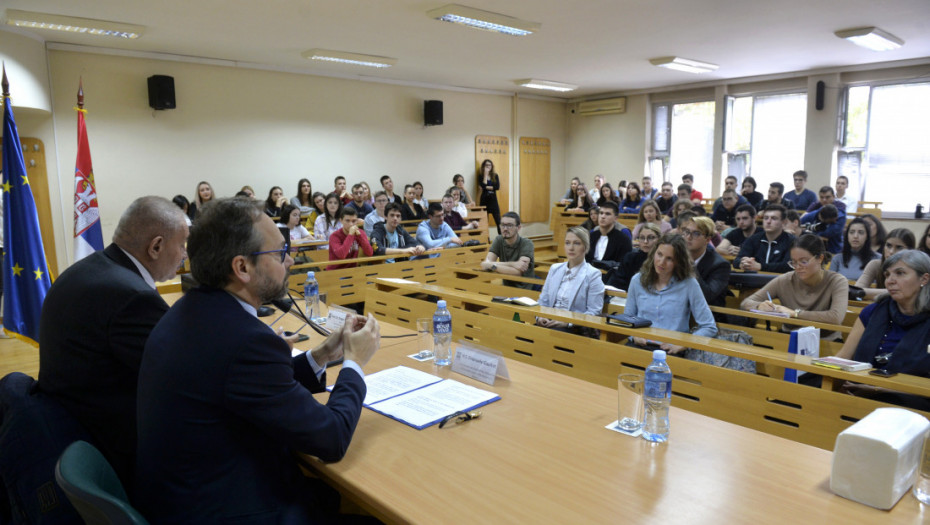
<point x="312" y="298"/>
<point x="657" y="396"/>
<point x="442" y="335"/>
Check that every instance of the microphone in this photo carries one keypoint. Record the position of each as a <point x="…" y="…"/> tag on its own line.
<point x="285" y="304"/>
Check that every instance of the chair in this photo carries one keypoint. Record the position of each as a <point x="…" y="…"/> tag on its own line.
<point x="93" y="488"/>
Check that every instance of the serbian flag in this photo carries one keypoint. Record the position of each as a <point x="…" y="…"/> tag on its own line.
<point x="88" y="237"/>
<point x="25" y="272"/>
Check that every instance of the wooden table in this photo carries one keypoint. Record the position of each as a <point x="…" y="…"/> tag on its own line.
<point x="542" y="455"/>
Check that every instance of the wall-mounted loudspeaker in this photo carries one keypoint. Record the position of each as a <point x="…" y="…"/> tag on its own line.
<point x="432" y="112"/>
<point x="161" y="92"/>
<point x="818" y="102"/>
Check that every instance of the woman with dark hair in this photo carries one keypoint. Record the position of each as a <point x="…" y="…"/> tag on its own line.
<point x="893" y="333"/>
<point x="459" y="182"/>
<point x="574" y="285"/>
<point x="924" y="243"/>
<point x="633" y="201"/>
<point x="582" y="201"/>
<point x="303" y="200"/>
<point x="607" y="195"/>
<point x="204" y="195"/>
<point x="898" y="240"/>
<point x="319" y="208"/>
<point x="666" y="292"/>
<point x="290" y="218"/>
<point x="876" y="230"/>
<point x="650" y="212"/>
<point x="621" y="190"/>
<point x="646" y="237"/>
<point x="753" y="197"/>
<point x="591" y="222"/>
<point x="570" y="192"/>
<point x="181" y="202"/>
<point x="809" y="293"/>
<point x="275" y="201"/>
<point x="488" y="185"/>
<point x="418" y="186"/>
<point x="411" y="210"/>
<point x="328" y="222"/>
<point x="857" y="251"/>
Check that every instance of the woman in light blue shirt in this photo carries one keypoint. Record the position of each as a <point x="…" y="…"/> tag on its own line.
<point x="666" y="292"/>
<point x="574" y="285"/>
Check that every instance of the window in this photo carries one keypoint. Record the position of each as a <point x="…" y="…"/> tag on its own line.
<point x="885" y="154"/>
<point x="683" y="142"/>
<point x="764" y="137"/>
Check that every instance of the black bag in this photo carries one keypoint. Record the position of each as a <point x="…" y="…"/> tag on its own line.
<point x="629" y="321"/>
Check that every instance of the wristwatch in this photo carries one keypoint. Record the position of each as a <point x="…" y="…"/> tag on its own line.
<point x="494" y="267"/>
<point x="797" y="312"/>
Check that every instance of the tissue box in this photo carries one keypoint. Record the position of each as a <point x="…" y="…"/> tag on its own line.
<point x="875" y="461"/>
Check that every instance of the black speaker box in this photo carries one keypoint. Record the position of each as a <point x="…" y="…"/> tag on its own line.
<point x="818" y="101"/>
<point x="161" y="92"/>
<point x="432" y="112"/>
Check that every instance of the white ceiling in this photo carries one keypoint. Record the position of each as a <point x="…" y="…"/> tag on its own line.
<point x="603" y="46"/>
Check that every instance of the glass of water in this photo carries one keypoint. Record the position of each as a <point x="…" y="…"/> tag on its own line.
<point x="630" y="402"/>
<point x="425" y="338"/>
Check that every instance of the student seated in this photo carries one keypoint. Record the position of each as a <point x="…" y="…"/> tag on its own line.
<point x="857" y="251"/>
<point x="591" y="222"/>
<point x="753" y="197"/>
<point x="775" y="196"/>
<point x="768" y="250"/>
<point x="801" y="196"/>
<point x="573" y="285"/>
<point x="459" y="182"/>
<point x="274" y="202"/>
<point x="434" y="233"/>
<point x="582" y="200"/>
<point x="359" y="203"/>
<point x="710" y="269"/>
<point x="650" y="212"/>
<point x="608" y="242"/>
<point x="452" y="217"/>
<point x="666" y="199"/>
<point x="328" y="223"/>
<point x="667" y="293"/>
<point x="511" y="254"/>
<point x="290" y="218"/>
<point x="696" y="197"/>
<point x="826" y="224"/>
<point x="808" y="293"/>
<point x="411" y="210"/>
<point x="724" y="216"/>
<point x="303" y="201"/>
<point x="570" y="192"/>
<point x="876" y="231"/>
<point x="898" y="240"/>
<point x="893" y="333"/>
<point x="633" y="201"/>
<point x="346" y="242"/>
<point x="792" y="223"/>
<point x="633" y="261"/>
<point x="390" y="238"/>
<point x="607" y="194"/>
<point x="381" y="202"/>
<point x="745" y="228"/>
<point x="420" y="199"/>
<point x="319" y="208"/>
<point x="728" y="184"/>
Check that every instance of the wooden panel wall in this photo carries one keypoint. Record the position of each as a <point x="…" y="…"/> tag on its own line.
<point x="535" y="156"/>
<point x="498" y="150"/>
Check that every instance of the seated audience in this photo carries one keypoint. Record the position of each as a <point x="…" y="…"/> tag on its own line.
<point x="682" y="205"/>
<point x="368" y="197"/>
<point x="809" y="293"/>
<point x="319" y="208"/>
<point x="856" y="253"/>
<point x="434" y="233"/>
<point x="898" y="240"/>
<point x="303" y="200"/>
<point x="570" y="192"/>
<point x="699" y="211"/>
<point x="666" y="292"/>
<point x="768" y="250"/>
<point x="650" y="212"/>
<point x="666" y="198"/>
<point x="290" y="218"/>
<point x="359" y="203"/>
<point x="893" y="333"/>
<point x="696" y="197"/>
<point x="411" y="210"/>
<point x="223" y="407"/>
<point x="591" y="222"/>
<point x="274" y="202"/>
<point x="249" y="192"/>
<point x="595" y="192"/>
<point x="729" y="183"/>
<point x="459" y="182"/>
<point x="582" y="200"/>
<point x="724" y="216"/>
<point x="827" y="196"/>
<point x="745" y="228"/>
<point x="95" y="321"/>
<point x="776" y="190"/>
<point x="793" y="222"/>
<point x="457" y="204"/>
<point x="573" y="285"/>
<point x="633" y="261"/>
<point x="876" y="231"/>
<point x="633" y="201"/>
<point x="388" y="186"/>
<point x="346" y="242"/>
<point x="378" y="215"/>
<point x="801" y="196"/>
<point x="609" y="242"/>
<point x="607" y="195"/>
<point x="340" y="189"/>
<point x="621" y="190"/>
<point x="826" y="223"/>
<point x="418" y="186"/>
<point x="850" y="201"/>
<point x="389" y="237"/>
<point x="710" y="269"/>
<point x="753" y="197"/>
<point x="181" y="202"/>
<point x="204" y="195"/>
<point x="452" y="217"/>
<point x="510" y="253"/>
<point x="649" y="192"/>
<point x="328" y="223"/>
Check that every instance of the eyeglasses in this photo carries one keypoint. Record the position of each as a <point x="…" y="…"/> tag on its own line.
<point x="506" y="225"/>
<point x="646" y="238"/>
<point x="801" y="262"/>
<point x="282" y="251"/>
<point x="691" y="234"/>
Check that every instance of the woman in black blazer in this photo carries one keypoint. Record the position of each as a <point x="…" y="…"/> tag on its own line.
<point x="488" y="184"/>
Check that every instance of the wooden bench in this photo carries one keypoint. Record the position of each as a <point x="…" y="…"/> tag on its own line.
<point x="798" y="412"/>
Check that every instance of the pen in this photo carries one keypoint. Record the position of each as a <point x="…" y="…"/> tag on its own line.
<point x="770" y="296"/>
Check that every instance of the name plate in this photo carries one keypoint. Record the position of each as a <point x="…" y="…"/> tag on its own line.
<point x="481" y="364"/>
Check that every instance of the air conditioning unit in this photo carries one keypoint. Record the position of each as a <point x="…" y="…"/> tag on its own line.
<point x="607" y="106"/>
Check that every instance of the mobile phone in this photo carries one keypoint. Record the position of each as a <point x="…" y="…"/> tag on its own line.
<point x="881" y="372"/>
<point x="300" y="337"/>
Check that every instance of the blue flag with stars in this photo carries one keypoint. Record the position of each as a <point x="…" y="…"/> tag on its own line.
<point x="25" y="272"/>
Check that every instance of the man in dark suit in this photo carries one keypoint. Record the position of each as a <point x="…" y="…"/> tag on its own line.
<point x="712" y="271"/>
<point x="609" y="242"/>
<point x="96" y="319"/>
<point x="223" y="406"/>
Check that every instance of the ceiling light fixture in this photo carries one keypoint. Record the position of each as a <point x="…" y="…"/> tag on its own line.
<point x="545" y="84"/>
<point x="683" y="64"/>
<point x="343" y="57"/>
<point x="486" y="20"/>
<point x="871" y="38"/>
<point x="71" y="24"/>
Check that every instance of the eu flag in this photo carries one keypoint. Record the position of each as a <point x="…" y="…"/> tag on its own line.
<point x="25" y="272"/>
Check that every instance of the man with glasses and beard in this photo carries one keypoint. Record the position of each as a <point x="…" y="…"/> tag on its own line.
<point x="511" y="254"/>
<point x="223" y="407"/>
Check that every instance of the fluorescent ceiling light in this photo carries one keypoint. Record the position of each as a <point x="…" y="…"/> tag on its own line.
<point x="545" y="84"/>
<point x="871" y="38"/>
<point x="469" y="16"/>
<point x="683" y="64"/>
<point x="349" y="58"/>
<point x="72" y="24"/>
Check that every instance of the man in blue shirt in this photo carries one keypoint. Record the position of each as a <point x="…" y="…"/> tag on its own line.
<point x="358" y="202"/>
<point x="801" y="197"/>
<point x="434" y="232"/>
<point x="770" y="249"/>
<point x="826" y="223"/>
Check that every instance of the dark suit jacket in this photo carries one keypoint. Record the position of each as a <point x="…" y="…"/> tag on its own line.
<point x="618" y="245"/>
<point x="713" y="274"/>
<point x="95" y="321"/>
<point x="222" y="409"/>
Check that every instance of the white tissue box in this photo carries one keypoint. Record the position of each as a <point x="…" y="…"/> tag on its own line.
<point x="875" y="461"/>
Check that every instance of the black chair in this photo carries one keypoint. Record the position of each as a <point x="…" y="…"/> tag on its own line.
<point x="93" y="488"/>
